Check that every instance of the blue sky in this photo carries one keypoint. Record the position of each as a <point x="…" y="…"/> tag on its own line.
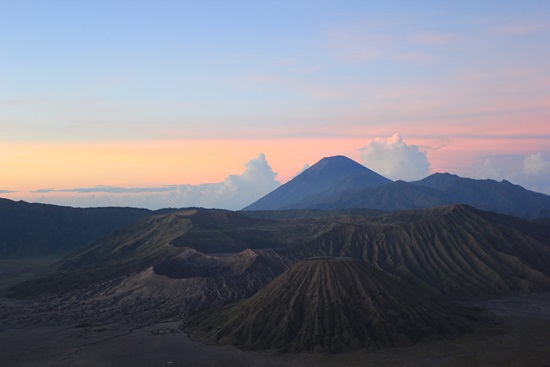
<point x="465" y="83"/>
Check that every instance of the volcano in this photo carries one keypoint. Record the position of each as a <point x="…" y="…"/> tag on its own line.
<point x="336" y="183"/>
<point x="326" y="179"/>
<point x="331" y="304"/>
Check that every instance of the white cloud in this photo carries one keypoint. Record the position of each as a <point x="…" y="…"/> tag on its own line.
<point x="235" y="192"/>
<point x="535" y="164"/>
<point x="394" y="159"/>
<point x="306" y="166"/>
<point x="531" y="171"/>
<point x="536" y="173"/>
<point x="488" y="170"/>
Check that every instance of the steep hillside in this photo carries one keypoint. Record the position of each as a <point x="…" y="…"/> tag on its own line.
<point x="453" y="250"/>
<point x="188" y="283"/>
<point x="30" y="230"/>
<point x="179" y="285"/>
<point x="156" y="239"/>
<point x="326" y="179"/>
<point x="330" y="305"/>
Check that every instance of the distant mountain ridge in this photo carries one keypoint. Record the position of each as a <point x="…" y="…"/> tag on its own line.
<point x="32" y="229"/>
<point x="341" y="189"/>
<point x="502" y="197"/>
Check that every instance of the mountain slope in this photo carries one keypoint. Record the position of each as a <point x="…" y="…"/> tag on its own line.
<point x="190" y="282"/>
<point x="156" y="239"/>
<point x="330" y="305"/>
<point x="443" y="189"/>
<point x="340" y="183"/>
<point x="30" y="230"/>
<point x="501" y="197"/>
<point x="168" y="265"/>
<point x="326" y="179"/>
<point x="398" y="195"/>
<point x="452" y="250"/>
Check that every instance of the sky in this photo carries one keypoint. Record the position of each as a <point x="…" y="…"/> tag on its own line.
<point x="216" y="103"/>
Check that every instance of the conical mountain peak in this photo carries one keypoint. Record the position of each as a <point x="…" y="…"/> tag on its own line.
<point x="331" y="305"/>
<point x="327" y="178"/>
<point x="337" y="161"/>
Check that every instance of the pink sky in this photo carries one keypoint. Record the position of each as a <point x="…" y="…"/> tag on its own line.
<point x="165" y="101"/>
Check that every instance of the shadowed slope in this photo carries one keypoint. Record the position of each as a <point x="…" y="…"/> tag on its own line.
<point x="193" y="281"/>
<point x="437" y="190"/>
<point x="157" y="241"/>
<point x="393" y="196"/>
<point x="311" y="213"/>
<point x="30" y="230"/>
<point x="324" y="180"/>
<point x="178" y="286"/>
<point x="133" y="249"/>
<point x="501" y="197"/>
<point x="340" y="183"/>
<point x="454" y="249"/>
<point x="331" y="305"/>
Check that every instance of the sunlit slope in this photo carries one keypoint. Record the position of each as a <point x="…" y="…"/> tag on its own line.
<point x="331" y="305"/>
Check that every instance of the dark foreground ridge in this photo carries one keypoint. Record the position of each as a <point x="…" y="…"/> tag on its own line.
<point x="331" y="305"/>
<point x="453" y="250"/>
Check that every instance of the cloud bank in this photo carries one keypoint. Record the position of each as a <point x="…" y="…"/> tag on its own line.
<point x="535" y="173"/>
<point x="394" y="159"/>
<point x="536" y="164"/>
<point x="305" y="167"/>
<point x="531" y="171"/>
<point x="235" y="192"/>
<point x="110" y="189"/>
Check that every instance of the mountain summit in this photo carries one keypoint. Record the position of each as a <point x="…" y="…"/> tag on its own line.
<point x="329" y="177"/>
<point x="341" y="183"/>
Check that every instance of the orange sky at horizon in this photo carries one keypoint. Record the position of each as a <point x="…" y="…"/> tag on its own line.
<point x="153" y="163"/>
<point x="34" y="166"/>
